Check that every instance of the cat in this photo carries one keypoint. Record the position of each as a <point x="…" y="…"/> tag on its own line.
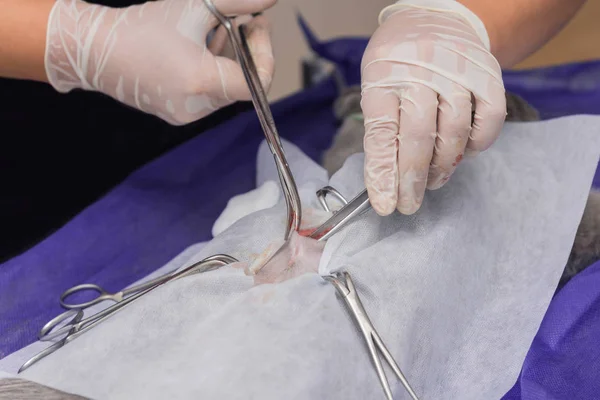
<point x="349" y="140"/>
<point x="20" y="389"/>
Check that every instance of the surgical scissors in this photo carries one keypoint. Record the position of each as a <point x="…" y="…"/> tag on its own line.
<point x="77" y="325"/>
<point x="263" y="110"/>
<point x="345" y="287"/>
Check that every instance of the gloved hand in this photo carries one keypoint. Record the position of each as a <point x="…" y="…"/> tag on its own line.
<point x="154" y="56"/>
<point x="424" y="69"/>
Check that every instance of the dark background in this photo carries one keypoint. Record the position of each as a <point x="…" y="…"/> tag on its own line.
<point x="61" y="152"/>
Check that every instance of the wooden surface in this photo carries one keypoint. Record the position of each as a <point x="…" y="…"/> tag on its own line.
<point x="579" y="41"/>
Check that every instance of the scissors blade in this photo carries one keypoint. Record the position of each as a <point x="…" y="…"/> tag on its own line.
<point x="354" y="208"/>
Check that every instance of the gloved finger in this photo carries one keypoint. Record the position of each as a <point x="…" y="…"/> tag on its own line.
<point x="381" y="114"/>
<point x="240" y="7"/>
<point x="233" y="84"/>
<point x="454" y="127"/>
<point x="218" y="41"/>
<point x="258" y="32"/>
<point x="418" y="112"/>
<point x="488" y="119"/>
<point x="220" y="44"/>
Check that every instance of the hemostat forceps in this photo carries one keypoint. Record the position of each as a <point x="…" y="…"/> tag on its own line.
<point x="345" y="287"/>
<point x="76" y="325"/>
<point x="103" y="295"/>
<point x="261" y="104"/>
<point x="352" y="209"/>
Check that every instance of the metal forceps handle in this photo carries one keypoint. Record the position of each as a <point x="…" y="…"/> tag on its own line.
<point x="261" y="104"/>
<point x="88" y="287"/>
<point x="103" y="295"/>
<point x="345" y="287"/>
<point x="328" y="190"/>
<point x="76" y="325"/>
<point x="351" y="210"/>
<point x="77" y="316"/>
<point x="51" y="330"/>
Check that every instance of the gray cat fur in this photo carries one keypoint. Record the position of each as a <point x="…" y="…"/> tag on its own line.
<point x="20" y="389"/>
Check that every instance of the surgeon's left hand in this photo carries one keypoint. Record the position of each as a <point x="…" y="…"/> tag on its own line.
<point x="425" y="68"/>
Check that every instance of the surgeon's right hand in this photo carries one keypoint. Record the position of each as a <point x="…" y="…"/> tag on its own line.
<point x="154" y="56"/>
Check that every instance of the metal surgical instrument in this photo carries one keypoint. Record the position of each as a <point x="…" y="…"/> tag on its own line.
<point x="103" y="295"/>
<point x="263" y="110"/>
<point x="352" y="209"/>
<point x="345" y="287"/>
<point x="77" y="325"/>
<point x="322" y="197"/>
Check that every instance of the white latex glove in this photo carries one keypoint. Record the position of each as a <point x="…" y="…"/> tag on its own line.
<point x="424" y="69"/>
<point x="154" y="56"/>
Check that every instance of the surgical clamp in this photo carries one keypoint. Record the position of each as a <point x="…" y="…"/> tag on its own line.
<point x="345" y="287"/>
<point x="350" y="210"/>
<point x="104" y="295"/>
<point x="263" y="110"/>
<point x="77" y="325"/>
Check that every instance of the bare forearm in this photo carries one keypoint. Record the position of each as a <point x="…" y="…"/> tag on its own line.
<point x="23" y="38"/>
<point x="518" y="28"/>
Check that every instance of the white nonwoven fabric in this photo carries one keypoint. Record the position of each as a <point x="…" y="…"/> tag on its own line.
<point x="13" y="362"/>
<point x="457" y="291"/>
<point x="263" y="197"/>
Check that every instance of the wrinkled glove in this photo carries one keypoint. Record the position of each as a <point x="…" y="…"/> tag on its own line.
<point x="425" y="68"/>
<point x="154" y="56"/>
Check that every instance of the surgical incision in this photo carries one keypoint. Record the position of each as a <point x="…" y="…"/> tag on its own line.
<point x="298" y="257"/>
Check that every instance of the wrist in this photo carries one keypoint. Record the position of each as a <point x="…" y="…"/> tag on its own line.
<point x="448" y="6"/>
<point x="74" y="27"/>
<point x="23" y="38"/>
